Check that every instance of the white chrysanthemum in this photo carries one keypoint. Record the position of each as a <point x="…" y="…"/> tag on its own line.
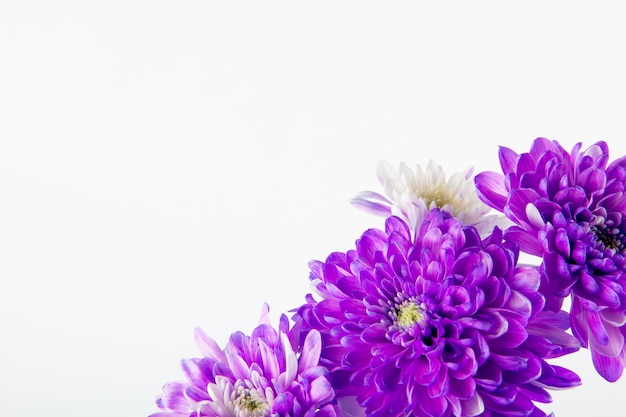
<point x="242" y="399"/>
<point x="412" y="194"/>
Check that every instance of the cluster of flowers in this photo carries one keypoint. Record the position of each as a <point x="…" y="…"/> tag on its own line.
<point x="434" y="316"/>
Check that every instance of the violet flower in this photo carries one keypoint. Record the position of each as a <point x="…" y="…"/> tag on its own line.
<point x="441" y="325"/>
<point x="267" y="374"/>
<point x="570" y="209"/>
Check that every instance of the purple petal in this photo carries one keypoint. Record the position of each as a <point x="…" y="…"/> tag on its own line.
<point x="474" y="406"/>
<point x="167" y="414"/>
<point x="561" y="378"/>
<point x="514" y="336"/>
<point x="238" y="366"/>
<point x="491" y="190"/>
<point x="562" y="242"/>
<point x="609" y="368"/>
<point x="372" y="207"/>
<point x="311" y="349"/>
<point x="433" y="407"/>
<point x="270" y="363"/>
<point x="540" y="146"/>
<point x="374" y="334"/>
<point x="596" y="328"/>
<point x="197" y="394"/>
<point x="283" y="403"/>
<point x="208" y="347"/>
<point x="516" y="206"/>
<point x="321" y="391"/>
<point x="327" y="411"/>
<point x="350" y="407"/>
<point x="173" y="397"/>
<point x="508" y="159"/>
<point x="463" y="388"/>
<point x="440" y="385"/>
<point x="527" y="241"/>
<point x="536" y="393"/>
<point x="615" y="341"/>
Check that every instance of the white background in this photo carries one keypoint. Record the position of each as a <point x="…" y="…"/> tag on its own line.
<point x="172" y="164"/>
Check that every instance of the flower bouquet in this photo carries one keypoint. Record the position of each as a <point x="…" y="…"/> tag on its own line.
<point x="436" y="316"/>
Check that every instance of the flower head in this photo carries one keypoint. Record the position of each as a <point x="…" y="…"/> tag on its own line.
<point x="440" y="324"/>
<point x="412" y="194"/>
<point x="269" y="373"/>
<point x="570" y="209"/>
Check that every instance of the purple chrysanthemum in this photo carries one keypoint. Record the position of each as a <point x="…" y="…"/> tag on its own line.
<point x="267" y="374"/>
<point x="570" y="209"/>
<point x="442" y="325"/>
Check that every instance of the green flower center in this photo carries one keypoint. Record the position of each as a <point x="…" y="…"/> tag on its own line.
<point x="436" y="195"/>
<point x="610" y="238"/>
<point x="407" y="314"/>
<point x="251" y="404"/>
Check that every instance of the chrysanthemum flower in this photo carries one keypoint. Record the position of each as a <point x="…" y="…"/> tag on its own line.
<point x="442" y="325"/>
<point x="411" y="195"/>
<point x="570" y="209"/>
<point x="269" y="373"/>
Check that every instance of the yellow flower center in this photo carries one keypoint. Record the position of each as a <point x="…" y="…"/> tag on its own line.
<point x="251" y="404"/>
<point x="408" y="313"/>
<point x="436" y="195"/>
